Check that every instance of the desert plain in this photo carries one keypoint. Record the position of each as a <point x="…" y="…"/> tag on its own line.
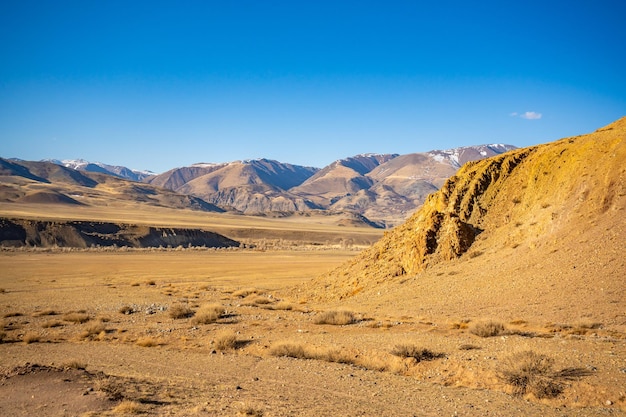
<point x="503" y="296"/>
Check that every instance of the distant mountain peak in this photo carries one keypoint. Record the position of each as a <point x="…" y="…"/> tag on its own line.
<point x="99" y="167"/>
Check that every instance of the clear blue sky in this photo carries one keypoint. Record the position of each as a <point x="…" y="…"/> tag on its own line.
<point x="160" y="84"/>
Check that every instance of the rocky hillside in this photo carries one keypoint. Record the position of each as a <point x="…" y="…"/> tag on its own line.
<point x="529" y="223"/>
<point x="82" y="234"/>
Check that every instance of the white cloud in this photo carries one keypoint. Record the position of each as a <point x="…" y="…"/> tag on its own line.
<point x="514" y="114"/>
<point x="530" y="115"/>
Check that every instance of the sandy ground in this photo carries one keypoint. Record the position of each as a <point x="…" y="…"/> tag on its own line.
<point x="131" y="356"/>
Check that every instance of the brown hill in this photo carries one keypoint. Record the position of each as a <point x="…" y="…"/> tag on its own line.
<point x="543" y="224"/>
<point x="50" y="183"/>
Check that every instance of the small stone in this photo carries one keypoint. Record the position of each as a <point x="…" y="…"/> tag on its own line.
<point x="608" y="402"/>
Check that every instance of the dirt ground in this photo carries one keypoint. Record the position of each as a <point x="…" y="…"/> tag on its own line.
<point x="94" y="333"/>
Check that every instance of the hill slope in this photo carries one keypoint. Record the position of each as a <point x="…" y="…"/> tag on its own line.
<point x="541" y="225"/>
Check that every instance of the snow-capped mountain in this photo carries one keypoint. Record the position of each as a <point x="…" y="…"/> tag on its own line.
<point x="115" y="170"/>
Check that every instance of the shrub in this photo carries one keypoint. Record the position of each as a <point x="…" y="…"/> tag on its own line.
<point x="3" y="336"/>
<point x="529" y="372"/>
<point x="488" y="329"/>
<point x="92" y="330"/>
<point x="128" y="407"/>
<point x="290" y="350"/>
<point x="180" y="311"/>
<point x="226" y="340"/>
<point x="209" y="313"/>
<point x="338" y="318"/>
<point x="147" y="341"/>
<point x="77" y="318"/>
<point x="412" y="351"/>
<point x="45" y="313"/>
<point x="30" y="338"/>
<point x="52" y="323"/>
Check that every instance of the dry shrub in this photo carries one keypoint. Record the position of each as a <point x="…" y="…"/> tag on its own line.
<point x="226" y="340"/>
<point x="417" y="353"/>
<point x="30" y="338"/>
<point x="12" y="314"/>
<point x="74" y="364"/>
<point x="337" y="318"/>
<point x="245" y="292"/>
<point x="180" y="311"/>
<point x="469" y="347"/>
<point x="283" y="305"/>
<point x="93" y="330"/>
<point x="3" y="336"/>
<point x="249" y="410"/>
<point x="488" y="329"/>
<point x="208" y="313"/>
<point x="147" y="341"/>
<point x="529" y="372"/>
<point x="290" y="350"/>
<point x="76" y="317"/>
<point x="51" y="323"/>
<point x="128" y="407"/>
<point x="45" y="313"/>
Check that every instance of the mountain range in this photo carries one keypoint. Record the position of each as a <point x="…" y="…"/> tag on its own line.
<point x="382" y="188"/>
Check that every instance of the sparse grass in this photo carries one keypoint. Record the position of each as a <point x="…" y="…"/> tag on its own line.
<point x="208" y="314"/>
<point x="30" y="338"/>
<point x="147" y="341"/>
<point x="337" y="318"/>
<point x="290" y="350"/>
<point x="226" y="340"/>
<point x="93" y="330"/>
<point x="128" y="407"/>
<point x="48" y="312"/>
<point x="249" y="410"/>
<point x="417" y="353"/>
<point x="242" y="293"/>
<point x="75" y="364"/>
<point x="488" y="329"/>
<point x="51" y="323"/>
<point x="180" y="311"/>
<point x="76" y="317"/>
<point x="283" y="305"/>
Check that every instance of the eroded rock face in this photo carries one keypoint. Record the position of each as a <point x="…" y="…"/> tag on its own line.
<point x="83" y="234"/>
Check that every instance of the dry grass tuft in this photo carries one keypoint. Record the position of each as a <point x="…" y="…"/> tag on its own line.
<point x="12" y="314"/>
<point x="147" y="341"/>
<point x="3" y="336"/>
<point x="128" y="407"/>
<point x="76" y="317"/>
<point x="30" y="338"/>
<point x="417" y="353"/>
<point x="249" y="410"/>
<point x="488" y="329"/>
<point x="290" y="350"/>
<point x="75" y="364"/>
<point x="93" y="330"/>
<point x="180" y="311"/>
<point x="46" y="313"/>
<point x="283" y="305"/>
<point x="51" y="323"/>
<point x="209" y="313"/>
<point x="532" y="373"/>
<point x="226" y="340"/>
<point x="242" y="293"/>
<point x="337" y="318"/>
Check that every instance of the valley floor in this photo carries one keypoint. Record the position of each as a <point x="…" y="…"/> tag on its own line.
<point x="96" y="333"/>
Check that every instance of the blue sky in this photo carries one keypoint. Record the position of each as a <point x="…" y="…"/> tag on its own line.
<point x="157" y="84"/>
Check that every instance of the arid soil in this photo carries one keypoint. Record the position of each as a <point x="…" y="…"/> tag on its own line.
<point x="99" y="326"/>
